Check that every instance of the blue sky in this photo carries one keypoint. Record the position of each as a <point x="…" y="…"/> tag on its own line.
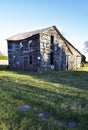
<point x="70" y="17"/>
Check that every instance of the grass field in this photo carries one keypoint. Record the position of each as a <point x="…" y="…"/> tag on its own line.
<point x="3" y="58"/>
<point x="58" y="100"/>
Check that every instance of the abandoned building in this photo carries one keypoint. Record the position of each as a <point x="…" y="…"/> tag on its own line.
<point x="42" y="50"/>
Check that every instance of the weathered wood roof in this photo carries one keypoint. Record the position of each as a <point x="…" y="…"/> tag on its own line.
<point x="25" y="35"/>
<point x="21" y="36"/>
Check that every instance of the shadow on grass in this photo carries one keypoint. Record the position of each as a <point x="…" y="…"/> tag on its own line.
<point x="76" y="79"/>
<point x="60" y="104"/>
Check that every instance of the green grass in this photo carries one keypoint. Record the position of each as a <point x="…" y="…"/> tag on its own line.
<point x="85" y="68"/>
<point x="63" y="95"/>
<point x="3" y="58"/>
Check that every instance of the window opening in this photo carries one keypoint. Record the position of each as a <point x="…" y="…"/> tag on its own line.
<point x="52" y="42"/>
<point x="21" y="46"/>
<point x="31" y="60"/>
<point x="30" y="45"/>
<point x="52" y="58"/>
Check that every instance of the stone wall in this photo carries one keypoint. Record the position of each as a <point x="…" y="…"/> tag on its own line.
<point x="44" y="51"/>
<point x="60" y="50"/>
<point x="24" y="57"/>
<point x="66" y="57"/>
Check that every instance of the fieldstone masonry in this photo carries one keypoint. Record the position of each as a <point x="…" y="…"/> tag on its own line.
<point x="42" y="50"/>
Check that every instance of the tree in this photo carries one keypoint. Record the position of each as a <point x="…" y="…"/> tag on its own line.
<point x="86" y="47"/>
<point x="83" y="59"/>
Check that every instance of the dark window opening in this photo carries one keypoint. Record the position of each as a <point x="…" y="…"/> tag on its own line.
<point x="52" y="58"/>
<point x="52" y="42"/>
<point x="30" y="46"/>
<point x="31" y="60"/>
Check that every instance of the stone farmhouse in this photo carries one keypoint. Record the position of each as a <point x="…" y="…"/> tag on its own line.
<point x="42" y="50"/>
